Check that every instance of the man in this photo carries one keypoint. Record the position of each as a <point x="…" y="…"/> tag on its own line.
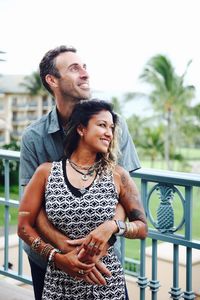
<point x="65" y="76"/>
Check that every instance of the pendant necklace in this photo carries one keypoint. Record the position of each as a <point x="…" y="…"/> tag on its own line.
<point x="85" y="176"/>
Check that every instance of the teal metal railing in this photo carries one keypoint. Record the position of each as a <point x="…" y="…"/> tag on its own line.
<point x="7" y="156"/>
<point x="169" y="190"/>
<point x="163" y="194"/>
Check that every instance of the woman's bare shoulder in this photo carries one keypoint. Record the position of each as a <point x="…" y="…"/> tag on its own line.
<point x="44" y="169"/>
<point x="120" y="173"/>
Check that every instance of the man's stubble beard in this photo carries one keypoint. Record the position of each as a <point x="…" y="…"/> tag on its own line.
<point x="75" y="96"/>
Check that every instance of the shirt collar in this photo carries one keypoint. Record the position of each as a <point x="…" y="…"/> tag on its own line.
<point x="53" y="121"/>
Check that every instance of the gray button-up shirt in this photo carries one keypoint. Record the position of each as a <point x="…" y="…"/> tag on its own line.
<point x="42" y="141"/>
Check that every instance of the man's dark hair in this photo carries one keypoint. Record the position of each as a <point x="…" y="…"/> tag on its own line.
<point x="48" y="65"/>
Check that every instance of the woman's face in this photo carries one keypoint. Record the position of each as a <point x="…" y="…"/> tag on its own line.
<point x="98" y="134"/>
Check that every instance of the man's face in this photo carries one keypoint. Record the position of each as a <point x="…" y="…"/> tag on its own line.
<point x="74" y="81"/>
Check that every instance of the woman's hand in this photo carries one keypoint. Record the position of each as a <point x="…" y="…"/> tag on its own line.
<point x="96" y="241"/>
<point x="70" y="263"/>
<point x="82" y="267"/>
<point x="100" y="269"/>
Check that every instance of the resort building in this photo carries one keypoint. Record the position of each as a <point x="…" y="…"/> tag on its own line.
<point x="18" y="108"/>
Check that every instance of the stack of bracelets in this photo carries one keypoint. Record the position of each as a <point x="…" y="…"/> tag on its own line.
<point x="45" y="250"/>
<point x="127" y="229"/>
<point x="131" y="230"/>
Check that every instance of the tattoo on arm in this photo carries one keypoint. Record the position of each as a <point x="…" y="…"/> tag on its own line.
<point x="24" y="213"/>
<point x="136" y="215"/>
<point x="131" y="194"/>
<point x="123" y="179"/>
<point x="29" y="238"/>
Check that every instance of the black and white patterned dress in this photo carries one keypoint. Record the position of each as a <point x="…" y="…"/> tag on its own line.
<point x="76" y="217"/>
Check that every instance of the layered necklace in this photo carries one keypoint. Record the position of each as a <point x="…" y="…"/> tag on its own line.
<point x="87" y="171"/>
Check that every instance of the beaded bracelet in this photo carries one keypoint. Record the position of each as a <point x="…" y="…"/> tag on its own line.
<point x="51" y="258"/>
<point x="46" y="250"/>
<point x="36" y="244"/>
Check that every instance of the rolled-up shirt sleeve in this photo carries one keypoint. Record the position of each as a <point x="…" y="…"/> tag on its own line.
<point x="28" y="158"/>
<point x="128" y="159"/>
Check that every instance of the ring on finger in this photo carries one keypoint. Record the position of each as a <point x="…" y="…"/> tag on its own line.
<point x="91" y="244"/>
<point x="81" y="272"/>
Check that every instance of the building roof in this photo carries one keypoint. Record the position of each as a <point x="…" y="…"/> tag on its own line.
<point x="12" y="84"/>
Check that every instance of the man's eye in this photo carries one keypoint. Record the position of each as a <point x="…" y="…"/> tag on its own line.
<point x="74" y="68"/>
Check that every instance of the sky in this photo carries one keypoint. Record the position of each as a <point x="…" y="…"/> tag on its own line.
<point x="115" y="38"/>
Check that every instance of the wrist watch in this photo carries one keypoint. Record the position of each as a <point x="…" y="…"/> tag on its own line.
<point x="121" y="227"/>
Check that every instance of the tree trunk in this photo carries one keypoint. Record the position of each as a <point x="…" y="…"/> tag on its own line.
<point x="168" y="140"/>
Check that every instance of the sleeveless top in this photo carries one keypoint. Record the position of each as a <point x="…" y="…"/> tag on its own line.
<point x="76" y="216"/>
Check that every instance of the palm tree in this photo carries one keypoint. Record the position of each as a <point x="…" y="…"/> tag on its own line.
<point x="169" y="96"/>
<point x="116" y="105"/>
<point x="136" y="126"/>
<point x="34" y="85"/>
<point x="152" y="143"/>
<point x="2" y="52"/>
<point x="191" y="126"/>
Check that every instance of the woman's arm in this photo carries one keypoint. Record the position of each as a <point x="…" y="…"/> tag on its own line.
<point x="130" y="200"/>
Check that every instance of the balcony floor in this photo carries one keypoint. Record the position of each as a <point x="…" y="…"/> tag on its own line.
<point x="10" y="291"/>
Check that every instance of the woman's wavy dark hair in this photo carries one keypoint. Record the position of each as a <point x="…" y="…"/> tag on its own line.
<point x="81" y="114"/>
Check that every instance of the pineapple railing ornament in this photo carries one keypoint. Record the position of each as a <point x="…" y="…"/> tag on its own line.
<point x="165" y="212"/>
<point x="165" y="222"/>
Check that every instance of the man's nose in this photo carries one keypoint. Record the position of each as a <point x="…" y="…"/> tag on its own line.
<point x="84" y="73"/>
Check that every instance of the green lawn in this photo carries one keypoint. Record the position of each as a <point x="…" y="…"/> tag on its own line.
<point x="191" y="153"/>
<point x="14" y="194"/>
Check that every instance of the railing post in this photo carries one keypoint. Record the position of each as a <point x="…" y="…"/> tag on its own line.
<point x="154" y="283"/>
<point x="175" y="290"/>
<point x="188" y="294"/>
<point x="6" y="216"/>
<point x="20" y="252"/>
<point x="142" y="280"/>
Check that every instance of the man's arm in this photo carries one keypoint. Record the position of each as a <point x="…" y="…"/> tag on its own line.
<point x="129" y="158"/>
<point x="50" y="234"/>
<point x="28" y="158"/>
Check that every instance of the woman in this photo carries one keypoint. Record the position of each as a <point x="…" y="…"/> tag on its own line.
<point x="81" y="193"/>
